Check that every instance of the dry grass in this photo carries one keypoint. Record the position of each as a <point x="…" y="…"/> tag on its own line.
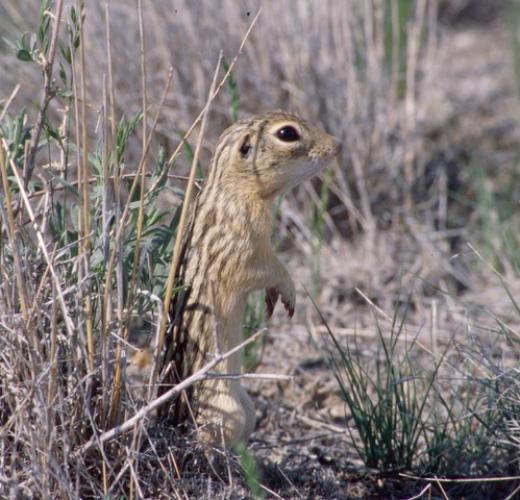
<point x="422" y="204"/>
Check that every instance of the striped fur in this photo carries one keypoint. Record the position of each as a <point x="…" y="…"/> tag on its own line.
<point x="227" y="254"/>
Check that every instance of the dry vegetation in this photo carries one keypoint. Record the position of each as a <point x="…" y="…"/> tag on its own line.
<point x="406" y="372"/>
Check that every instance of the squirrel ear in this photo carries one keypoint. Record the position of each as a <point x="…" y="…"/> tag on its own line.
<point x="245" y="147"/>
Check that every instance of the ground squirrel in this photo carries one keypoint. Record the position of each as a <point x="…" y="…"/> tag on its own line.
<point x="227" y="254"/>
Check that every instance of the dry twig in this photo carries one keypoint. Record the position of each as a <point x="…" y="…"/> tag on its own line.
<point x="48" y="64"/>
<point x="168" y="395"/>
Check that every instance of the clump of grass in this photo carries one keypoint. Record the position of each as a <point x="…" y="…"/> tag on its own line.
<point x="82" y="245"/>
<point x="423" y="413"/>
<point x="251" y="473"/>
<point x="388" y="401"/>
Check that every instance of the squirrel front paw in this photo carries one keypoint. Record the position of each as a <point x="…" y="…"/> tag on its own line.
<point x="288" y="296"/>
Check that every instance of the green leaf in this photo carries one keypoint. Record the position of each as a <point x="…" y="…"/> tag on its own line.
<point x="63" y="74"/>
<point x="43" y="29"/>
<point x="251" y="473"/>
<point x="232" y="89"/>
<point x="25" y="42"/>
<point x="66" y="53"/>
<point x="66" y="184"/>
<point x="73" y="15"/>
<point x="67" y="94"/>
<point x="24" y="55"/>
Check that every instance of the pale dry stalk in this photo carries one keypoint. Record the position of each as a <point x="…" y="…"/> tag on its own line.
<point x="48" y="64"/>
<point x="198" y="376"/>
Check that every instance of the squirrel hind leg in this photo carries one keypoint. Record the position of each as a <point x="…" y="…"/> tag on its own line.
<point x="226" y="414"/>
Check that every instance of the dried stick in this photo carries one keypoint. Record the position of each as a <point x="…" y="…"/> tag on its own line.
<point x="250" y="376"/>
<point x="69" y="325"/>
<point x="47" y="93"/>
<point x="91" y="180"/>
<point x="493" y="479"/>
<point x="168" y="395"/>
<point x="9" y="101"/>
<point x="174" y="155"/>
<point x="84" y="225"/>
<point x="180" y="233"/>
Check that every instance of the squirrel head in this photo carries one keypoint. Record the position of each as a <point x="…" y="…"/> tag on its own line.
<point x="268" y="154"/>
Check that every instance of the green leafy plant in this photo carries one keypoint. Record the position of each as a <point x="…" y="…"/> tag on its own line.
<point x="254" y="318"/>
<point x="232" y="90"/>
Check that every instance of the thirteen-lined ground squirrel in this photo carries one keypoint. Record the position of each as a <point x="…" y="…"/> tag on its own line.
<point x="227" y="254"/>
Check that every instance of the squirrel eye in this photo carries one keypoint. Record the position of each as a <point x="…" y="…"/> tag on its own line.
<point x="288" y="134"/>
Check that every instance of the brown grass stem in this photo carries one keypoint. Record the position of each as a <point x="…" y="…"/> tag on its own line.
<point x="85" y="245"/>
<point x="168" y="395"/>
<point x="8" y="102"/>
<point x="223" y="81"/>
<point x="47" y="94"/>
<point x="180" y="232"/>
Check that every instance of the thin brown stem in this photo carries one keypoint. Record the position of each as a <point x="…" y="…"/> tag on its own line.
<point x="168" y="395"/>
<point x="91" y="180"/>
<point x="222" y="82"/>
<point x="85" y="194"/>
<point x="114" y="404"/>
<point x="180" y="232"/>
<point x="47" y="94"/>
<point x="9" y="101"/>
